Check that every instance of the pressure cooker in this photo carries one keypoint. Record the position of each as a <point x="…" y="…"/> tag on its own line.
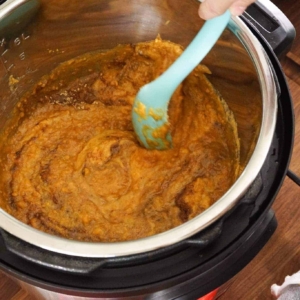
<point x="192" y="259"/>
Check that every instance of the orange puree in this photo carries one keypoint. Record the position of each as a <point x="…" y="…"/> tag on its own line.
<point x="71" y="164"/>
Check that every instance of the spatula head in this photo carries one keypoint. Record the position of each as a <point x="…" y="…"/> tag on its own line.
<point x="150" y="108"/>
<point x="150" y="121"/>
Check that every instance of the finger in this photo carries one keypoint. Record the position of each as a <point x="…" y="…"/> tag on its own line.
<point x="238" y="7"/>
<point x="212" y="8"/>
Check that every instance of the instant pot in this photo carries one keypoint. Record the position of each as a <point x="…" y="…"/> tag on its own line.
<point x="189" y="261"/>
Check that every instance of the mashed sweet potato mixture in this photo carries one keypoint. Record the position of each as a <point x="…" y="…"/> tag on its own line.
<point x="71" y="164"/>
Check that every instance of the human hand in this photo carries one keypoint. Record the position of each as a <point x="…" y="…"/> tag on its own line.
<point x="212" y="8"/>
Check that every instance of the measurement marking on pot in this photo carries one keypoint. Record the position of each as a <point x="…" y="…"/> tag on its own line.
<point x="2" y="42"/>
<point x="10" y="67"/>
<point x="17" y="41"/>
<point x="22" y="55"/>
<point x="4" y="52"/>
<point x="12" y="52"/>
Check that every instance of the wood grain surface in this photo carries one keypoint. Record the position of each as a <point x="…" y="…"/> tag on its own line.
<point x="291" y="10"/>
<point x="281" y="256"/>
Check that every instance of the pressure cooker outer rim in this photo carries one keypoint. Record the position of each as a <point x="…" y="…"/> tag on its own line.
<point x="213" y="213"/>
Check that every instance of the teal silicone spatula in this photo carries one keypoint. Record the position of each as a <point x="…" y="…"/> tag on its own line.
<point x="150" y="107"/>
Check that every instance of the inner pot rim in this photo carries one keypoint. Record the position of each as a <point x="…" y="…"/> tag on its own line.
<point x="200" y="222"/>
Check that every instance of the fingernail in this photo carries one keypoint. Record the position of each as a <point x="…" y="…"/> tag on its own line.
<point x="237" y="10"/>
<point x="201" y="13"/>
<point x="209" y="10"/>
<point x="206" y="14"/>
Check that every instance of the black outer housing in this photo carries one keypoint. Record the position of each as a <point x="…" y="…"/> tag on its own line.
<point x="271" y="25"/>
<point x="189" y="269"/>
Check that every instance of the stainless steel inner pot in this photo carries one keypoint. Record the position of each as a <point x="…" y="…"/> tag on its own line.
<point x="47" y="33"/>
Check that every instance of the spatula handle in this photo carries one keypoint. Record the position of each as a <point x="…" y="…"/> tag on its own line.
<point x="196" y="50"/>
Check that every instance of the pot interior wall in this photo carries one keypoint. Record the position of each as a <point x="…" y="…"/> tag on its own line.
<point x="61" y="31"/>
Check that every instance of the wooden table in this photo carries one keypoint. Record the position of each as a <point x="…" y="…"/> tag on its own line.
<point x="281" y="255"/>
